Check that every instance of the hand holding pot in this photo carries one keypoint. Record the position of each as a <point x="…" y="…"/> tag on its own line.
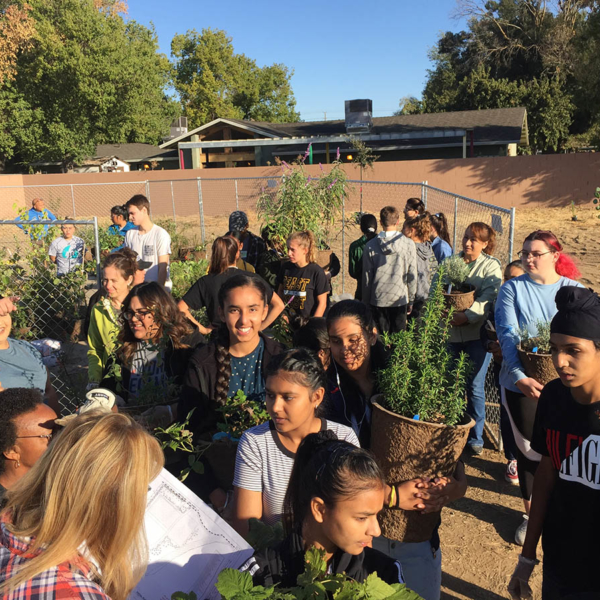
<point x="458" y="319"/>
<point x="421" y="494"/>
<point x="530" y="387"/>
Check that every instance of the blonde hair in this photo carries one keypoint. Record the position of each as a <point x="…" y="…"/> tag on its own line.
<point x="88" y="489"/>
<point x="307" y="240"/>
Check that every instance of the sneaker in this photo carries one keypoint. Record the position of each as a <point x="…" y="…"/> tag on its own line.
<point x="475" y="450"/>
<point x="521" y="531"/>
<point x="511" y="475"/>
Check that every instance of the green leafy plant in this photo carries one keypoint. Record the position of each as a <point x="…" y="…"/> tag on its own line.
<point x="240" y="414"/>
<point x="456" y="272"/>
<point x="422" y="378"/>
<point x="179" y="235"/>
<point x="282" y="332"/>
<point x="597" y="199"/>
<point x="262" y="536"/>
<point x="106" y="240"/>
<point x="538" y="344"/>
<point x="364" y="158"/>
<point x="184" y="274"/>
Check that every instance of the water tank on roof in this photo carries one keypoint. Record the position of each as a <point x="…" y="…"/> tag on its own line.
<point x="359" y="116"/>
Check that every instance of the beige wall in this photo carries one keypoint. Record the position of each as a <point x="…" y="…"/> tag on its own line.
<point x="551" y="180"/>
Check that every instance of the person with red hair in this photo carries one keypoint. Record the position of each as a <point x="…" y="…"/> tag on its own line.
<point x="523" y="303"/>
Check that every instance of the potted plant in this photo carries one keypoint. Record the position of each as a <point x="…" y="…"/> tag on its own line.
<point x="419" y="424"/>
<point x="457" y="294"/>
<point x="534" y="353"/>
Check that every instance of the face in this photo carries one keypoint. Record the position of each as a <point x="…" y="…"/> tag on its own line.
<point x="290" y="404"/>
<point x="297" y="252"/>
<point x="540" y="259"/>
<point x="513" y="272"/>
<point x="141" y="320"/>
<point x="576" y="360"/>
<point x="409" y="213"/>
<point x="472" y="245"/>
<point x="68" y="231"/>
<point x="35" y="423"/>
<point x="408" y="231"/>
<point x="325" y="357"/>
<point x="115" y="218"/>
<point x="243" y="313"/>
<point x="137" y="216"/>
<point x="5" y="327"/>
<point x="39" y="204"/>
<point x="350" y="348"/>
<point x="351" y="524"/>
<point x="114" y="282"/>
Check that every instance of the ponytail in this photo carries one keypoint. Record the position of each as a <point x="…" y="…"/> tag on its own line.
<point x="307" y="240"/>
<point x="120" y="211"/>
<point x="565" y="266"/>
<point x="440" y="224"/>
<point x="223" y="359"/>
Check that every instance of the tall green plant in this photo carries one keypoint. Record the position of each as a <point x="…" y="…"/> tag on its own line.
<point x="422" y="379"/>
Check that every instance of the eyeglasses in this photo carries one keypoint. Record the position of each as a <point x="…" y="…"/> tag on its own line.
<point x="524" y="255"/>
<point x="139" y="315"/>
<point x="47" y="436"/>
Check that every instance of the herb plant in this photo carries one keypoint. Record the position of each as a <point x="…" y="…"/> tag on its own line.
<point x="540" y="343"/>
<point x="240" y="414"/>
<point x="422" y="378"/>
<point x="184" y="274"/>
<point x="456" y="271"/>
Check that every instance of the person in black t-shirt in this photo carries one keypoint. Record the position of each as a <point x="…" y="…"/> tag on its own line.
<point x="302" y="283"/>
<point x="205" y="292"/>
<point x="566" y="432"/>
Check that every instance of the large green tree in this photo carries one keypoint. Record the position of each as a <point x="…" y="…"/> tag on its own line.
<point x="213" y="81"/>
<point x="86" y="76"/>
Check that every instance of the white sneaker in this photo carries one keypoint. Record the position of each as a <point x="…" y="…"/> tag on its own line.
<point x="521" y="531"/>
<point x="511" y="475"/>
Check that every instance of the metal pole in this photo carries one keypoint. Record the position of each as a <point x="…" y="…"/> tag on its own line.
<point x="511" y="237"/>
<point x="147" y="186"/>
<point x="455" y="222"/>
<point x="237" y="204"/>
<point x="344" y="243"/>
<point x="73" y="201"/>
<point x="97" y="244"/>
<point x="201" y="209"/>
<point x="425" y="194"/>
<point x="173" y="203"/>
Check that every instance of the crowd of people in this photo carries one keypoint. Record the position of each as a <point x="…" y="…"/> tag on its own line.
<point x="74" y="489"/>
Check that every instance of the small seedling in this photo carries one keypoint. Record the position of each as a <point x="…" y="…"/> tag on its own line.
<point x="573" y="211"/>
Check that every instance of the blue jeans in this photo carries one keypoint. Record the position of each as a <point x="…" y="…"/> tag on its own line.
<point x="480" y="361"/>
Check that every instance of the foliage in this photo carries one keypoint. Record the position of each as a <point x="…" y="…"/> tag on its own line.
<point x="456" y="271"/>
<point x="179" y="234"/>
<point x="363" y="154"/>
<point x="213" y="81"/>
<point x="86" y="76"/>
<point x="16" y="30"/>
<point x="597" y="199"/>
<point x="262" y="536"/>
<point x="422" y="378"/>
<point x="281" y="331"/>
<point x="240" y="414"/>
<point x="538" y="344"/>
<point x="304" y="203"/>
<point x="107" y="240"/>
<point x="185" y="273"/>
<point x="314" y="583"/>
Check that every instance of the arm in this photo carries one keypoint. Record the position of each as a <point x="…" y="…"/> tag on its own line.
<point x="321" y="305"/>
<point x="280" y="291"/>
<point x="353" y="259"/>
<point x="367" y="276"/>
<point x="486" y="295"/>
<point x="163" y="264"/>
<point x="185" y="309"/>
<point x="412" y="273"/>
<point x="246" y="505"/>
<point x="276" y="307"/>
<point x="51" y="396"/>
<point x="95" y="342"/>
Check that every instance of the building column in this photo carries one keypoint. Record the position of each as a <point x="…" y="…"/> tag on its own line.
<point x="196" y="153"/>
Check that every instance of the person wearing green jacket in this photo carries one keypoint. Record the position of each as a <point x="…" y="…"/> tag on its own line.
<point x="485" y="274"/>
<point x="368" y="225"/>
<point x="118" y="274"/>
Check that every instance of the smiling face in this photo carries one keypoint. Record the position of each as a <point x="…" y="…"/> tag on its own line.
<point x="351" y="524"/>
<point x="5" y="328"/>
<point x="350" y="346"/>
<point x="114" y="282"/>
<point x="297" y="252"/>
<point x="472" y="245"/>
<point x="577" y="361"/>
<point x="291" y="404"/>
<point x="540" y="259"/>
<point x="141" y="320"/>
<point x="243" y="312"/>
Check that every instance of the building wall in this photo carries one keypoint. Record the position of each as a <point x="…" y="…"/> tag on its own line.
<point x="549" y="180"/>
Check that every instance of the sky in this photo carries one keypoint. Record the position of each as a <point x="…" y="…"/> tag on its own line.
<point x="339" y="51"/>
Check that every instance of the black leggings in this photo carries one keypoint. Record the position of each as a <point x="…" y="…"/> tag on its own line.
<point x="522" y="410"/>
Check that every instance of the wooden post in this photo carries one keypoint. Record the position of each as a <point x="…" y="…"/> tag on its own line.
<point x="196" y="153"/>
<point x="327" y="152"/>
<point x="227" y="136"/>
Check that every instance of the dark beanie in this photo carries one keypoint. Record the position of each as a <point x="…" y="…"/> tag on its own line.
<point x="578" y="313"/>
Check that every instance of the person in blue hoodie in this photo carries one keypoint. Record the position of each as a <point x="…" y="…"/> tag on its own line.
<point x="37" y="212"/>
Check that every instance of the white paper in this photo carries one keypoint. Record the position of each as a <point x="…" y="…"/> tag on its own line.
<point x="189" y="544"/>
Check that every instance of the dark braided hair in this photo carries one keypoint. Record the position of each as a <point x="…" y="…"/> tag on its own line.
<point x="330" y="469"/>
<point x="222" y="355"/>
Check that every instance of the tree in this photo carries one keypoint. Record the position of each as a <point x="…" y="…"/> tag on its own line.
<point x="87" y="77"/>
<point x="213" y="81"/>
<point x="16" y="31"/>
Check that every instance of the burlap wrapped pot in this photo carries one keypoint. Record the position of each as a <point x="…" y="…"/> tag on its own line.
<point x="538" y="366"/>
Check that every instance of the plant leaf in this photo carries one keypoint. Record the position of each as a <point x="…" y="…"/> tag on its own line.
<point x="232" y="583"/>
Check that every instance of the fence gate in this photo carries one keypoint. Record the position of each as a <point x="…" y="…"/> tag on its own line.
<point x="53" y="296"/>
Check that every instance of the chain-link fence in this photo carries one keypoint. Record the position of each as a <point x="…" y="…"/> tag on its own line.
<point x="51" y="267"/>
<point x="202" y="205"/>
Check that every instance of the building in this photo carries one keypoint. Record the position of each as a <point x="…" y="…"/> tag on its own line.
<point x="234" y="142"/>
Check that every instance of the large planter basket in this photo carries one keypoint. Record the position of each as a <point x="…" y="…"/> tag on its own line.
<point x="406" y="449"/>
<point x="460" y="301"/>
<point x="538" y="366"/>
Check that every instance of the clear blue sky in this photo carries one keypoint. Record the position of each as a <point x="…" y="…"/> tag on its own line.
<point x="339" y="50"/>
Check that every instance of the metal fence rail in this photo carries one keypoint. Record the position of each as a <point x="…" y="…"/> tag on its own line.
<point x="203" y="204"/>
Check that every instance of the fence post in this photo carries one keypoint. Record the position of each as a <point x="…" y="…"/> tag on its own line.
<point x="424" y="190"/>
<point x="147" y="186"/>
<point x="73" y="201"/>
<point x="97" y="245"/>
<point x="237" y="204"/>
<point x="455" y="224"/>
<point x="511" y="237"/>
<point x="173" y="202"/>
<point x="201" y="210"/>
<point x="344" y="243"/>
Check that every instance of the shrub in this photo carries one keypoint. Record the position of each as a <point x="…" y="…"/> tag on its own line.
<point x="456" y="271"/>
<point x="540" y="343"/>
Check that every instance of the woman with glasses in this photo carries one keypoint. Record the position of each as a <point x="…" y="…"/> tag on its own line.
<point x="26" y="426"/>
<point x="522" y="303"/>
<point x="414" y="207"/>
<point x="154" y="346"/>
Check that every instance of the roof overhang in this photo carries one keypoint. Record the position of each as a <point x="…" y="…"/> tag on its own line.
<point x="327" y="139"/>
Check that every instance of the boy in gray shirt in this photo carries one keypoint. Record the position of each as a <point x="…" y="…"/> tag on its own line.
<point x="67" y="251"/>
